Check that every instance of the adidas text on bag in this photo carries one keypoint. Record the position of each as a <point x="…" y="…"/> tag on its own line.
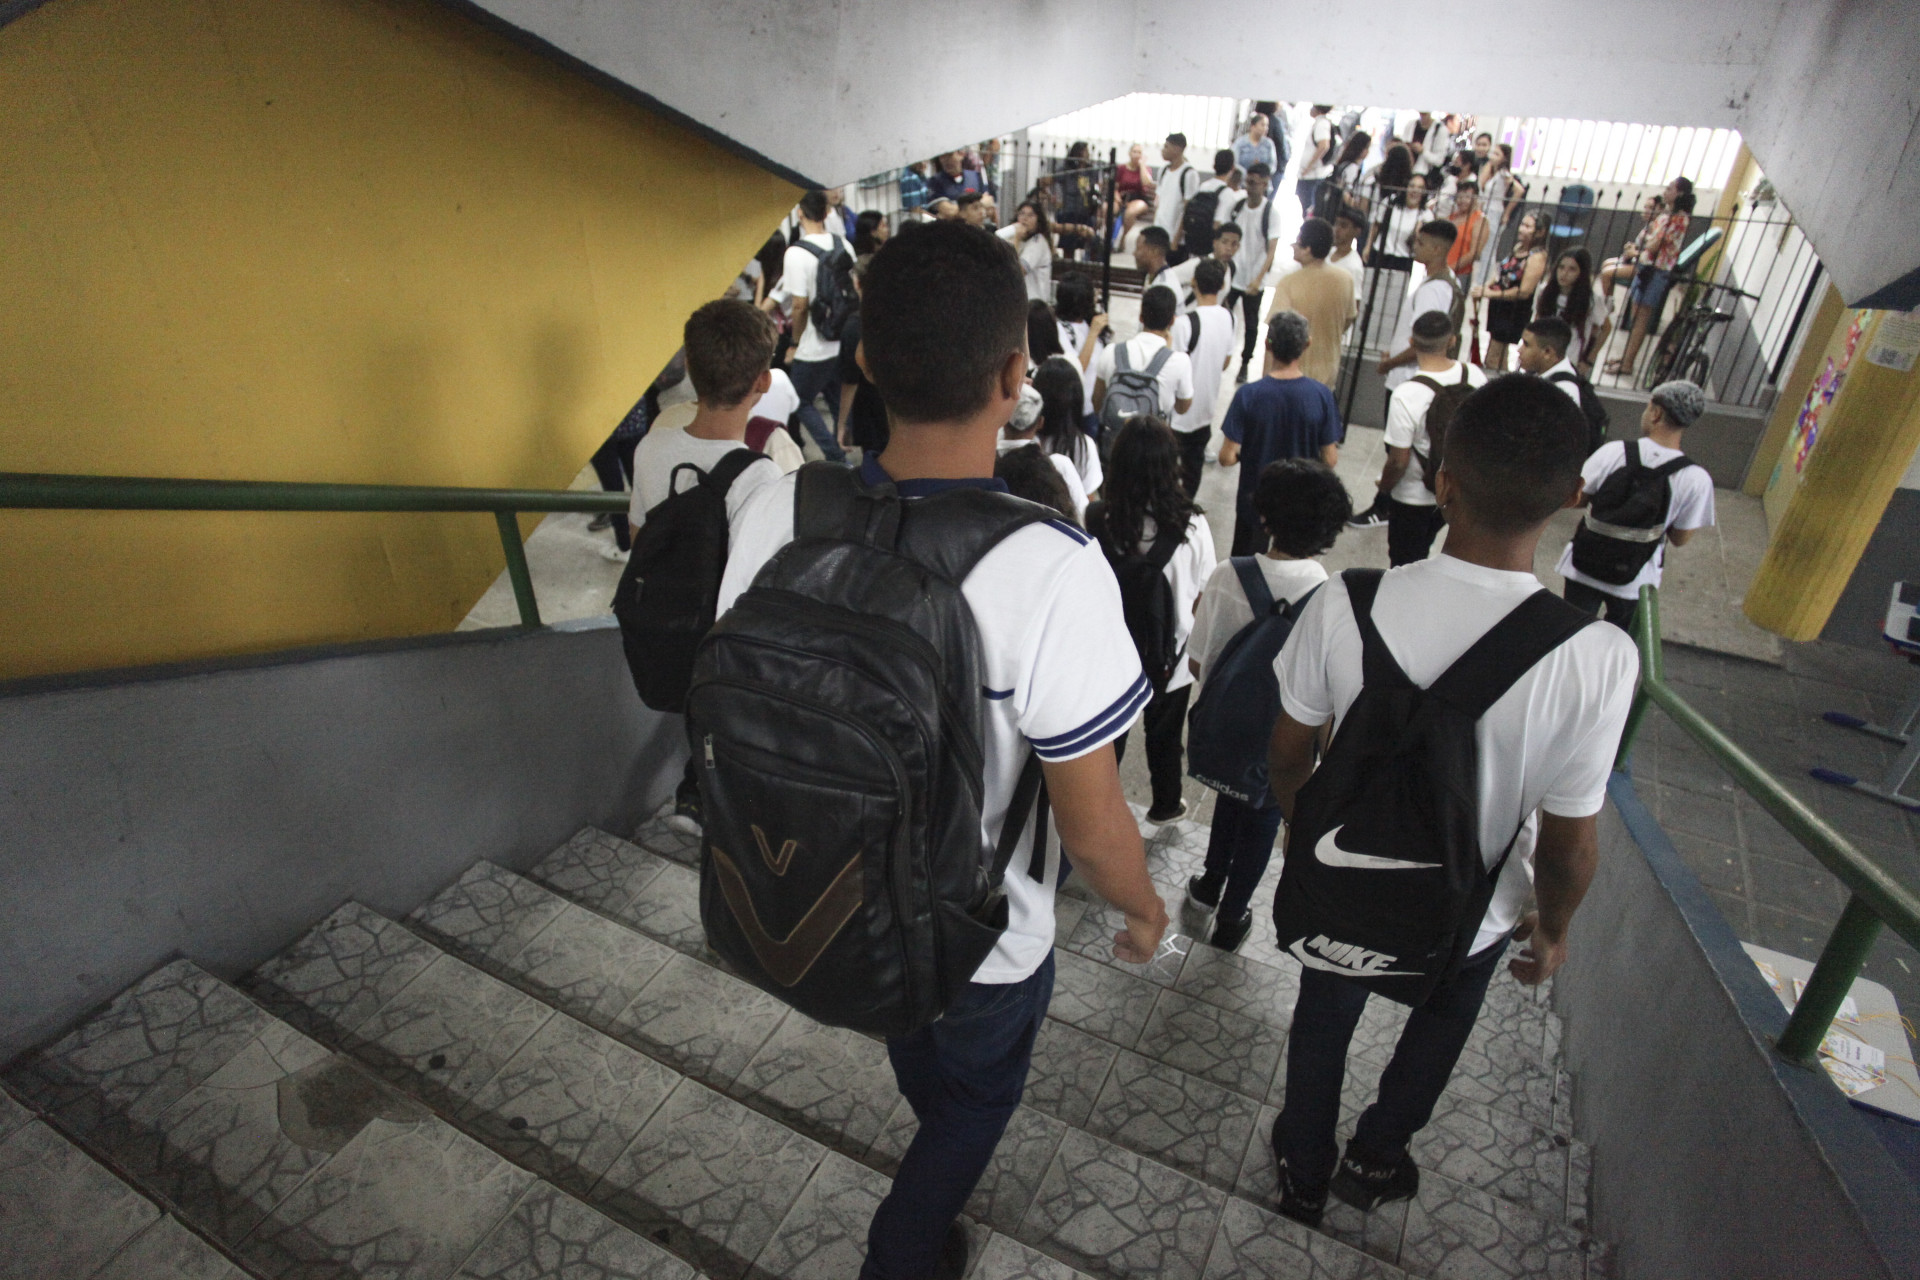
<point x="836" y="717"/>
<point x="1627" y="518"/>
<point x="1385" y="881"/>
<point x="1232" y="721"/>
<point x="666" y="596"/>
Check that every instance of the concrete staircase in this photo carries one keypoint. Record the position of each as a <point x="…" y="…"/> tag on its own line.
<point x="547" y="1075"/>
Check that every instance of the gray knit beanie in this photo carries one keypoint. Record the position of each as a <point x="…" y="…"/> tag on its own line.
<point x="1681" y="401"/>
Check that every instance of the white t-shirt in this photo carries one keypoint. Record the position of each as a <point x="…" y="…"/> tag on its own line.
<point x="742" y="286"/>
<point x="1036" y="263"/>
<point x="1352" y="265"/>
<point x="1567" y="385"/>
<point x="1548" y="743"/>
<point x="1073" y="336"/>
<point x="1174" y="187"/>
<point x="1407" y="427"/>
<point x="1599" y="310"/>
<point x="1088" y="465"/>
<point x="1210" y="359"/>
<point x="1689" y="507"/>
<point x="780" y="402"/>
<point x="1176" y="376"/>
<point x="1322" y="131"/>
<point x="1186" y="573"/>
<point x="664" y="448"/>
<point x="1061" y="676"/>
<point x="796" y="282"/>
<point x="1224" y="608"/>
<point x="1069" y="474"/>
<point x="1432" y="295"/>
<point x="1255" y="223"/>
<point x="1180" y="280"/>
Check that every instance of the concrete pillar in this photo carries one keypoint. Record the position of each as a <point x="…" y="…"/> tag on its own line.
<point x="1793" y="392"/>
<point x="1825" y="508"/>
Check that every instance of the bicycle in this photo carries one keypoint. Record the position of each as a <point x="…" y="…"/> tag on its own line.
<point x="1682" y="349"/>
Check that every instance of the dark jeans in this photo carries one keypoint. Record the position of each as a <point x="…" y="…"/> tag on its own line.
<point x="1164" y="719"/>
<point x="812" y="378"/>
<point x="1239" y="849"/>
<point x="1249" y="536"/>
<point x="1324" y="1017"/>
<point x="1617" y="609"/>
<point x="963" y="1076"/>
<point x="1193" y="457"/>
<point x="613" y="464"/>
<point x="1307" y="189"/>
<point x="1410" y="532"/>
<point x="1250" y="311"/>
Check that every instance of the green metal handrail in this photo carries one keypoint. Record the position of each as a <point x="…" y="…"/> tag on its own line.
<point x="134" y="493"/>
<point x="1876" y="897"/>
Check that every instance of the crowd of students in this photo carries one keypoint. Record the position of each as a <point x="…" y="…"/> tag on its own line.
<point x="957" y="363"/>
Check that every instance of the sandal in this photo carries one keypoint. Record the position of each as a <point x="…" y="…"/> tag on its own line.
<point x="1614" y="368"/>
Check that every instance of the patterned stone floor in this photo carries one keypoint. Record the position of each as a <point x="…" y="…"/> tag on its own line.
<point x="546" y="1075"/>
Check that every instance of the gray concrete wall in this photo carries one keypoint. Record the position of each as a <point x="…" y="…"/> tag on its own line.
<point x="1892" y="555"/>
<point x="1712" y="1158"/>
<point x="219" y="811"/>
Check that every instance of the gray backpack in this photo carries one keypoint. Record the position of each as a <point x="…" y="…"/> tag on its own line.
<point x="1134" y="391"/>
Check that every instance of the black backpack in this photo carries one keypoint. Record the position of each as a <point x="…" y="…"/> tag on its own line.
<point x="834" y="300"/>
<point x="666" y="596"/>
<point x="1196" y="222"/>
<point x="1447" y="399"/>
<point x="1626" y="518"/>
<point x="836" y="717"/>
<point x="1228" y="729"/>
<point x="1591" y="408"/>
<point x="1384" y="880"/>
<point x="1146" y="597"/>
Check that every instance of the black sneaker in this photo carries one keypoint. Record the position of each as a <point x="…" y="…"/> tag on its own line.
<point x="1368" y="519"/>
<point x="952" y="1263"/>
<point x="1366" y="1183"/>
<point x="1242" y="377"/>
<point x="1204" y="894"/>
<point x="1229" y="934"/>
<point x="1297" y="1202"/>
<point x="1174" y="814"/>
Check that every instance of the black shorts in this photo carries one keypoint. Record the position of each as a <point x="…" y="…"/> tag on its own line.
<point x="1506" y="318"/>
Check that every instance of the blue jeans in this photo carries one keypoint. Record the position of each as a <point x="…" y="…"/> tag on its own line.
<point x="810" y="378"/>
<point x="963" y="1076"/>
<point x="1239" y="849"/>
<point x="1307" y="189"/>
<point x="1324" y="1017"/>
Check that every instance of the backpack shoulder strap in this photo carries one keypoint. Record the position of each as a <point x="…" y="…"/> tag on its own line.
<point x="1563" y="376"/>
<point x="1122" y="363"/>
<point x="1254" y="583"/>
<point x="1379" y="669"/>
<point x="814" y="249"/>
<point x="1427" y="381"/>
<point x="1630" y="455"/>
<point x="948" y="533"/>
<point x="1159" y="361"/>
<point x="1193" y="331"/>
<point x="728" y="469"/>
<point x="1293" y="608"/>
<point x="1531" y="630"/>
<point x="831" y="501"/>
<point x="1165" y="543"/>
<point x="1674" y="466"/>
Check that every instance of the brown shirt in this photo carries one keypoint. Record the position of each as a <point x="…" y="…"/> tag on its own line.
<point x="1325" y="296"/>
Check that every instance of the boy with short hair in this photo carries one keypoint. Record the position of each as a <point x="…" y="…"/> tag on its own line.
<point x="1440" y="291"/>
<point x="1205" y="333"/>
<point x="1158" y="307"/>
<point x="1413" y="514"/>
<point x="1174" y="185"/>
<point x="1324" y="295"/>
<point x="944" y="314"/>
<point x="1544" y="749"/>
<point x="813" y="362"/>
<point x="729" y="349"/>
<point x="1543" y="352"/>
<point x="1151" y="252"/>
<point x="1348" y="223"/>
<point x="1302" y="507"/>
<point x="1283" y="415"/>
<point x="1671" y="409"/>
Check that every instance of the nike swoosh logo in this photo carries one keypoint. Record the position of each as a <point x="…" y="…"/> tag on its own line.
<point x="788" y="959"/>
<point x="1330" y="854"/>
<point x="1312" y="961"/>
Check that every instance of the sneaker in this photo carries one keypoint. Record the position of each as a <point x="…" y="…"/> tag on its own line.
<point x="1174" y="814"/>
<point x="952" y="1263"/>
<point x="686" y="817"/>
<point x="1203" y="894"/>
<point x="602" y="521"/>
<point x="1229" y="934"/>
<point x="1297" y="1202"/>
<point x="1242" y="377"/>
<point x="1368" y="519"/>
<point x="1366" y="1183"/>
<point x="613" y="553"/>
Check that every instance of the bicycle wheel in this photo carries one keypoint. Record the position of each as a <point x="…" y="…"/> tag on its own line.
<point x="1694" y="369"/>
<point x="1667" y="353"/>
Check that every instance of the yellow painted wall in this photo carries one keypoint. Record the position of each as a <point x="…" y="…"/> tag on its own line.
<point x="356" y="240"/>
<point x="1821" y="329"/>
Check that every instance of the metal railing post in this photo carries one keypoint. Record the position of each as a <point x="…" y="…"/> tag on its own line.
<point x="1646" y="635"/>
<point x="517" y="571"/>
<point x="1840" y="963"/>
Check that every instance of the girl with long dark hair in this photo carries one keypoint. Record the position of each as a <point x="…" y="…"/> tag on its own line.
<point x="1570" y="294"/>
<point x="1062" y="420"/>
<point x="870" y="231"/>
<point x="1022" y="435"/>
<point x="1146" y="515"/>
<point x="1515" y="282"/>
<point x="1031" y="235"/>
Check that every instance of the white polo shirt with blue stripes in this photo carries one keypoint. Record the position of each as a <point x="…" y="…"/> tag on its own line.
<point x="1062" y="677"/>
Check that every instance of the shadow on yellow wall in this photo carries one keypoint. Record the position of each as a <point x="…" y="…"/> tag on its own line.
<point x="351" y="240"/>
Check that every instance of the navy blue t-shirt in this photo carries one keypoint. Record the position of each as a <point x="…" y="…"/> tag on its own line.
<point x="1275" y="418"/>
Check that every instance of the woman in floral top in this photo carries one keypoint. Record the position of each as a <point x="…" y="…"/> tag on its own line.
<point x="1657" y="249"/>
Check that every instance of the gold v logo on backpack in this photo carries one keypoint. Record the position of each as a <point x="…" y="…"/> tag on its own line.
<point x="788" y="959"/>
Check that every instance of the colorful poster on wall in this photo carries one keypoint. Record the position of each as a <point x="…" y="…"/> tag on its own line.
<point x="1833" y="376"/>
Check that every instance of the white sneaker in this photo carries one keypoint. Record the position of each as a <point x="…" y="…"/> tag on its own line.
<point x="614" y="553"/>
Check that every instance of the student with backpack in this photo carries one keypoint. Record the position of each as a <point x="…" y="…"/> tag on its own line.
<point x="1285" y="414"/>
<point x="875" y="713"/>
<point x="1543" y="353"/>
<point x="1258" y="245"/>
<point x="1419" y="415"/>
<point x="1203" y="210"/>
<point x="1062" y="429"/>
<point x="1475" y="721"/>
<point x="1640" y="495"/>
<point x="1145" y="376"/>
<point x="689" y="487"/>
<point x="1161" y="551"/>
<point x="1205" y="333"/>
<point x="817" y="284"/>
<point x="1174" y="185"/>
<point x="1441" y="291"/>
<point x="1246" y="613"/>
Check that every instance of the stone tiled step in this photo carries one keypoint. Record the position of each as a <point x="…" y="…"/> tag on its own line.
<point x="297" y="1160"/>
<point x="63" y="1213"/>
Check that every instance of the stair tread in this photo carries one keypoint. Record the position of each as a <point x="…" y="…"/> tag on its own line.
<point x="168" y="1251"/>
<point x="62" y="1213"/>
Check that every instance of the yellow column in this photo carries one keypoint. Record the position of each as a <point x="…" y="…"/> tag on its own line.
<point x="1866" y="438"/>
<point x="1821" y="329"/>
